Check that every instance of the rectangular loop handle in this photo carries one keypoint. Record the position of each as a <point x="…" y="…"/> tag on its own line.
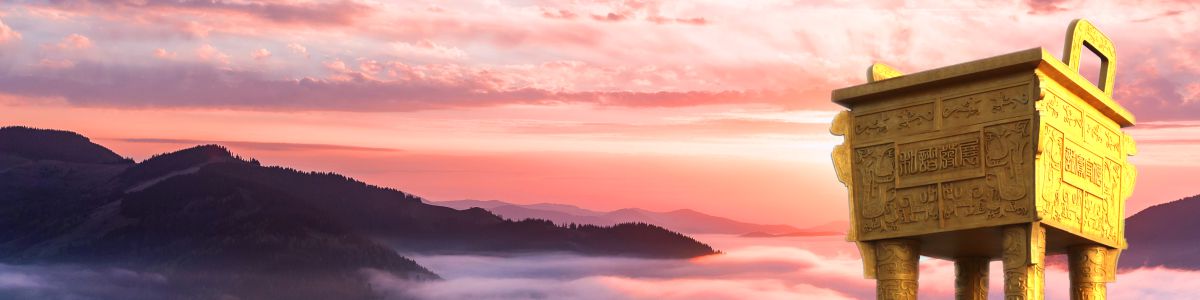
<point x="1082" y="33"/>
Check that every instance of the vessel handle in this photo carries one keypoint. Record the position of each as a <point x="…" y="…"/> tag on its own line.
<point x="1082" y="33"/>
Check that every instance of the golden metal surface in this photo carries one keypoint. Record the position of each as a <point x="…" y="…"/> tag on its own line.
<point x="1081" y="34"/>
<point x="980" y="159"/>
<point x="880" y="71"/>
<point x="971" y="278"/>
<point x="1024" y="262"/>
<point x="1089" y="273"/>
<point x="896" y="267"/>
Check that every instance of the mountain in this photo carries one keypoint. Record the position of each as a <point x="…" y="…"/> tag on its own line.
<point x="64" y="146"/>
<point x="828" y="229"/>
<point x="218" y="225"/>
<point x="1163" y="235"/>
<point x="683" y="220"/>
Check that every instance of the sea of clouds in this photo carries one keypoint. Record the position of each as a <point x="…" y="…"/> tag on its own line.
<point x="750" y="268"/>
<point x="74" y="282"/>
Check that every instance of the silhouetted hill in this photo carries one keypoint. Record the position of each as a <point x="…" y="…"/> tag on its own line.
<point x="212" y="236"/>
<point x="405" y="222"/>
<point x="1164" y="235"/>
<point x="43" y="144"/>
<point x="682" y="220"/>
<point x="218" y="225"/>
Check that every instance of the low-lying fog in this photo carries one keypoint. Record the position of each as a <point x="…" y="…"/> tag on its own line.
<point x="751" y="268"/>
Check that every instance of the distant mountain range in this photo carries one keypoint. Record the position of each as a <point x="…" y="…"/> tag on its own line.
<point x="222" y="226"/>
<point x="682" y="220"/>
<point x="1164" y="235"/>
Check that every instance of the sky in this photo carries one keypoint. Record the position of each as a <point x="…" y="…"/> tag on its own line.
<point x="717" y="106"/>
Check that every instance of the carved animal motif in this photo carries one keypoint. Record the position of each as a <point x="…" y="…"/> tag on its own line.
<point x="967" y="108"/>
<point x="1006" y="149"/>
<point x="909" y="117"/>
<point x="1006" y="101"/>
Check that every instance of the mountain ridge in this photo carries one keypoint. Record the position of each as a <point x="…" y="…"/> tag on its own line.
<point x="681" y="220"/>
<point x="47" y="144"/>
<point x="207" y="217"/>
<point x="1159" y="236"/>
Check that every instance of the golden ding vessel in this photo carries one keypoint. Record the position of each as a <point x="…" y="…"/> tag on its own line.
<point x="1008" y="158"/>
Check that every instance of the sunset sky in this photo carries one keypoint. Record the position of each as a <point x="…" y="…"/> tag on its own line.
<point x="718" y="106"/>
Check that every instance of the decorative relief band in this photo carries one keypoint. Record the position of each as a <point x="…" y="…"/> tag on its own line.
<point x="971" y="278"/>
<point x="1024" y="261"/>
<point x="986" y="106"/>
<point x="896" y="266"/>
<point x="890" y="123"/>
<point x="1088" y="272"/>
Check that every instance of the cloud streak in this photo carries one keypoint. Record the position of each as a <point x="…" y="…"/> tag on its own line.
<point x="411" y="88"/>
<point x="75" y="282"/>
<point x="342" y="12"/>
<point x="264" y="146"/>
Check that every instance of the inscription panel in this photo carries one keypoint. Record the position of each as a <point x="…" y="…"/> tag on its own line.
<point x="941" y="159"/>
<point x="1085" y="170"/>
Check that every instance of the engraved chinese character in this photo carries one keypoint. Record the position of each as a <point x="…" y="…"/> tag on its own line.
<point x="970" y="152"/>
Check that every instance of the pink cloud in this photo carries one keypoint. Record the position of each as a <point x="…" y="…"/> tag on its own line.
<point x="692" y="21"/>
<point x="412" y="88"/>
<point x="260" y="54"/>
<point x="1046" y="6"/>
<point x="208" y="53"/>
<point x="341" y="12"/>
<point x="163" y="53"/>
<point x="706" y="128"/>
<point x="7" y="34"/>
<point x="298" y="49"/>
<point x="75" y="41"/>
<point x="70" y="42"/>
<point x="56" y="63"/>
<point x="610" y="17"/>
<point x="787" y="56"/>
<point x="427" y="49"/>
<point x="558" y="14"/>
